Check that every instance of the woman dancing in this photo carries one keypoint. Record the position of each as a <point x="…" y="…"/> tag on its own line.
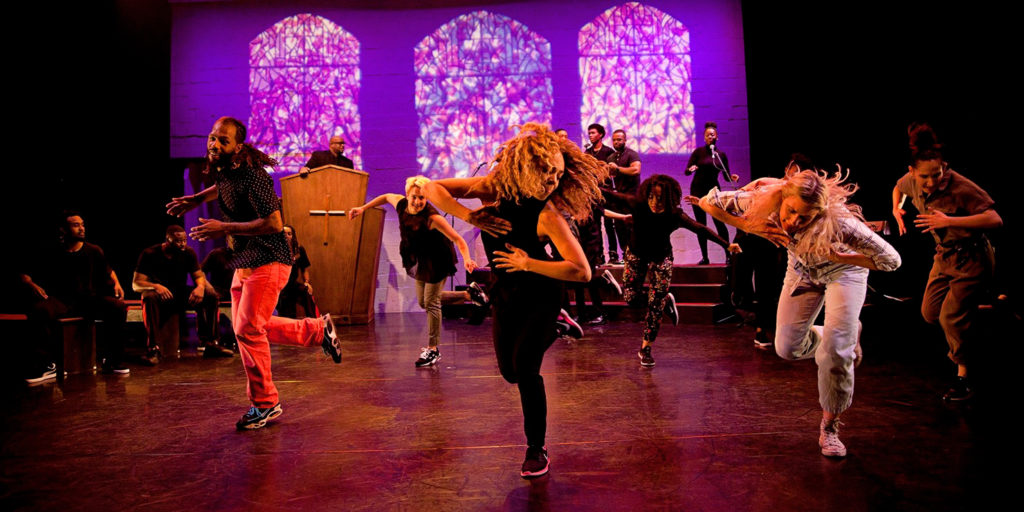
<point x="296" y="299"/>
<point x="656" y="214"/>
<point x="537" y="175"/>
<point x="957" y="213"/>
<point x="428" y="257"/>
<point x="830" y="252"/>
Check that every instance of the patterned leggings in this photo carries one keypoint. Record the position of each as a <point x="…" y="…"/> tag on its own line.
<point x="633" y="275"/>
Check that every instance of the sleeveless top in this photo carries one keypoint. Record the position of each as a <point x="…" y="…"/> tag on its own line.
<point x="427" y="254"/>
<point x="523" y="217"/>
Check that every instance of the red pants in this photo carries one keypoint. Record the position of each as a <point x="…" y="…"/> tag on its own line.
<point x="254" y="293"/>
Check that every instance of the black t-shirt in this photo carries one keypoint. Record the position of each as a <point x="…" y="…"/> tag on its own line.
<point x="69" y="276"/>
<point x="651" y="235"/>
<point x="625" y="183"/>
<point x="217" y="270"/>
<point x="245" y="195"/>
<point x="169" y="267"/>
<point x="427" y="254"/>
<point x="705" y="177"/>
<point x="322" y="158"/>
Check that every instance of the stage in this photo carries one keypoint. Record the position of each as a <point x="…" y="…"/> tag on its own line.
<point x="715" y="425"/>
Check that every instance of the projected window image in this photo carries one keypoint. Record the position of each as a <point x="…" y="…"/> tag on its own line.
<point x="635" y="74"/>
<point x="303" y="88"/>
<point x="476" y="76"/>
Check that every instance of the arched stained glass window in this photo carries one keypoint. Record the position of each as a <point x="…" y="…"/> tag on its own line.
<point x="635" y="75"/>
<point x="304" y="88"/>
<point x="476" y="76"/>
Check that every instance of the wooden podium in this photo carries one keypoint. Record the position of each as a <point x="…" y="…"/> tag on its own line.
<point x="343" y="253"/>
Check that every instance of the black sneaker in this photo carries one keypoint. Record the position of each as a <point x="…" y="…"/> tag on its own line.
<point x="536" y="463"/>
<point x="959" y="392"/>
<point x="331" y="344"/>
<point x="428" y="357"/>
<point x="670" y="309"/>
<point x="573" y="329"/>
<point x="646" y="359"/>
<point x="477" y="295"/>
<point x="257" y="417"/>
<point x="47" y="373"/>
<point x="610" y="279"/>
<point x="213" y="350"/>
<point x="762" y="340"/>
<point x="598" y="320"/>
<point x="110" y="368"/>
<point x="152" y="357"/>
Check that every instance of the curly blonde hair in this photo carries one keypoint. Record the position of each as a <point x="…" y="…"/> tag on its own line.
<point x="828" y="194"/>
<point x="524" y="157"/>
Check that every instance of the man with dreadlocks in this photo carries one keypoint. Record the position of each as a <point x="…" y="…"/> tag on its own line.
<point x="538" y="175"/>
<point x="262" y="260"/>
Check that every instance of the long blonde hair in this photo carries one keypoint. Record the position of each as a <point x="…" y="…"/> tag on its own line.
<point x="828" y="194"/>
<point x="524" y="157"/>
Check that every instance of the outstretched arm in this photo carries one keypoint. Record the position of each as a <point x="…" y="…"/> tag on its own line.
<point x="437" y="222"/>
<point x="754" y="224"/>
<point x="210" y="228"/>
<point x="179" y="205"/>
<point x="689" y="223"/>
<point x="573" y="266"/>
<point x="897" y="209"/>
<point x="391" y="199"/>
<point x="987" y="219"/>
<point x="442" y="194"/>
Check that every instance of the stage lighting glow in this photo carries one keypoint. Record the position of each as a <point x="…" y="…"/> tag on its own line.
<point x="476" y="76"/>
<point x="304" y="88"/>
<point x="635" y="76"/>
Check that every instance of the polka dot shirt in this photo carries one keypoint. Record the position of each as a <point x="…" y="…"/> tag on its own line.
<point x="247" y="194"/>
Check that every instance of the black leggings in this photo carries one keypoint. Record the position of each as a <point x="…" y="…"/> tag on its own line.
<point x="525" y="312"/>
<point x="700" y="216"/>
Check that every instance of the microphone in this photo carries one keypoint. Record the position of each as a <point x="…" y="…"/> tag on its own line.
<point x="588" y="146"/>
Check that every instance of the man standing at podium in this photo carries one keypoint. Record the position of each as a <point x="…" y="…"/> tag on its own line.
<point x="262" y="261"/>
<point x="332" y="157"/>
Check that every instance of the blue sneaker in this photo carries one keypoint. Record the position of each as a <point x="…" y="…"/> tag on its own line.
<point x="331" y="343"/>
<point x="257" y="417"/>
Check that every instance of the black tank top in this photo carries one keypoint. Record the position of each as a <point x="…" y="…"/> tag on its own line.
<point x="523" y="217"/>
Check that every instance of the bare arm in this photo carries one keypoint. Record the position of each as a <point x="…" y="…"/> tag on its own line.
<point x="574" y="266"/>
<point x="437" y="222"/>
<point x="210" y="228"/>
<point x="179" y="205"/>
<point x="987" y="219"/>
<point x="391" y="199"/>
<point x="632" y="170"/>
<point x="118" y="291"/>
<point x="897" y="211"/>
<point x="25" y="278"/>
<point x="753" y="224"/>
<point x="615" y="215"/>
<point x="141" y="283"/>
<point x="442" y="194"/>
<point x="200" y="290"/>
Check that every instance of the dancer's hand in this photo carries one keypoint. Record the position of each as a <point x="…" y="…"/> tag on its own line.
<point x="766" y="228"/>
<point x="118" y="291"/>
<point x="898" y="214"/>
<point x="470" y="265"/>
<point x="179" y="205"/>
<point x="488" y="223"/>
<point x="196" y="296"/>
<point x="691" y="200"/>
<point x="690" y="170"/>
<point x="932" y="221"/>
<point x="162" y="292"/>
<point x="514" y="260"/>
<point x="208" y="229"/>
<point x="734" y="249"/>
<point x="355" y="211"/>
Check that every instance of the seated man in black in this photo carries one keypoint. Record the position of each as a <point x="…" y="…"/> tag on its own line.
<point x="162" y="277"/>
<point x="332" y="157"/>
<point x="71" y="280"/>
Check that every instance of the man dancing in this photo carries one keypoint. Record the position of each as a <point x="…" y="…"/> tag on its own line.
<point x="261" y="259"/>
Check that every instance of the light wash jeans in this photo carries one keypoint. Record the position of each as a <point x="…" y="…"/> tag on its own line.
<point x="841" y="291"/>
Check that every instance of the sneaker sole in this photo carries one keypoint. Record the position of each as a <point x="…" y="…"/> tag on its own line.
<point x="425" y="365"/>
<point x="262" y="423"/>
<point x="642" y="363"/>
<point x="833" y="454"/>
<point x="535" y="474"/>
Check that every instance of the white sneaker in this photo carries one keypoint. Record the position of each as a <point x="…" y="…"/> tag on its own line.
<point x="607" y="276"/>
<point x="828" y="439"/>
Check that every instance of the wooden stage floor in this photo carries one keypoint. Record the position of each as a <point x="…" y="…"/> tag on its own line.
<point x="716" y="425"/>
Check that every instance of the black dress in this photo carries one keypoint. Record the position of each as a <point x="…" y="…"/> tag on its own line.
<point x="705" y="178"/>
<point x="525" y="306"/>
<point x="427" y="255"/>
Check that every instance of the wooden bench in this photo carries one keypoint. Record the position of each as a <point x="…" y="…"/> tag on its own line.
<point x="77" y="346"/>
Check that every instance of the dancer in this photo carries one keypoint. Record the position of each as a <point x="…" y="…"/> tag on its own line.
<point x="957" y="213"/>
<point x="537" y="176"/>
<point x="262" y="262"/>
<point x="296" y="299"/>
<point x="830" y="253"/>
<point x="656" y="214"/>
<point x="428" y="257"/>
<point x="706" y="163"/>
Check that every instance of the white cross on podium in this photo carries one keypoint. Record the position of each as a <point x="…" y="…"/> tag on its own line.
<point x="327" y="213"/>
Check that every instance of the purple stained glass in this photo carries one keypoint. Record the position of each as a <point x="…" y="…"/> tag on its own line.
<point x="635" y="74"/>
<point x="304" y="88"/>
<point x="476" y="77"/>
